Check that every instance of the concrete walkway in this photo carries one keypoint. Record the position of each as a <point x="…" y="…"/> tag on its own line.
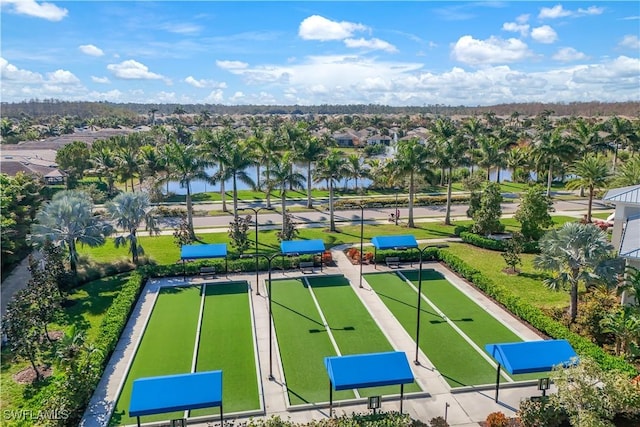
<point x="464" y="408"/>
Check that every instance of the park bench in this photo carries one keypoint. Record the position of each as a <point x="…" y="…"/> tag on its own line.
<point x="306" y="266"/>
<point x="208" y="271"/>
<point x="392" y="261"/>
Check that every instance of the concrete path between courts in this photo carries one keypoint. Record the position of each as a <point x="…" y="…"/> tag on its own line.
<point x="463" y="408"/>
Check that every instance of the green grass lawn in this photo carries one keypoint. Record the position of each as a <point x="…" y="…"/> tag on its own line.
<point x="166" y="347"/>
<point x="527" y="284"/>
<point x="226" y="343"/>
<point x="455" y="359"/>
<point x="352" y="326"/>
<point x="303" y="343"/>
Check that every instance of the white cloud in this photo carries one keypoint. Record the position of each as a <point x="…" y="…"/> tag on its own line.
<point x="568" y="54"/>
<point x="232" y="65"/>
<point x="11" y="72"/>
<point x="63" y="77"/>
<point x="491" y="51"/>
<point x="554" y="12"/>
<point x="515" y="27"/>
<point x="203" y="83"/>
<point x="591" y="10"/>
<point x="48" y="11"/>
<point x="630" y="41"/>
<point x="215" y="97"/>
<point x="544" y="34"/>
<point x="319" y="28"/>
<point x="133" y="70"/>
<point x="182" y="28"/>
<point x="102" y="80"/>
<point x="89" y="49"/>
<point x="113" y="96"/>
<point x="374" y="44"/>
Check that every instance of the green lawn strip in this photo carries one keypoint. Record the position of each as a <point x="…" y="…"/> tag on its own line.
<point x="480" y="326"/>
<point x="458" y="362"/>
<point x="166" y="347"/>
<point x="352" y="326"/>
<point x="303" y="343"/>
<point x="226" y="343"/>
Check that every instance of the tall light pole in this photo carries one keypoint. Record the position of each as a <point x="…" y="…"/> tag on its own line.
<point x="416" y="361"/>
<point x="361" y="239"/>
<point x="255" y="211"/>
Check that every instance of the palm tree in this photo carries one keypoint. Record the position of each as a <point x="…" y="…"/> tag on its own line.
<point x="268" y="152"/>
<point x="129" y="162"/>
<point x="628" y="173"/>
<point x="572" y="254"/>
<point x="488" y="153"/>
<point x="236" y="160"/>
<point x="448" y="150"/>
<point x="624" y="324"/>
<point x="410" y="160"/>
<point x="331" y="168"/>
<point x="309" y="151"/>
<point x="129" y="211"/>
<point x="186" y="163"/>
<point x="592" y="173"/>
<point x="621" y="132"/>
<point x="282" y="176"/>
<point x="67" y="220"/>
<point x="219" y="143"/>
<point x="105" y="164"/>
<point x="551" y="150"/>
<point x="355" y="169"/>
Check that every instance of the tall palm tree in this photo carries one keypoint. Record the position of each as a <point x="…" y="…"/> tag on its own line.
<point x="236" y="160"/>
<point x="105" y="164"/>
<point x="355" y="168"/>
<point x="628" y="173"/>
<point x="447" y="151"/>
<point x="572" y="254"/>
<point x="130" y="211"/>
<point x="488" y="154"/>
<point x="187" y="163"/>
<point x="331" y="168"/>
<point x="593" y="173"/>
<point x="624" y="324"/>
<point x="518" y="159"/>
<point x="310" y="150"/>
<point x="283" y="176"/>
<point x="410" y="160"/>
<point x="67" y="220"/>
<point x="552" y="150"/>
<point x="621" y="133"/>
<point x="269" y="153"/>
<point x="220" y="143"/>
<point x="129" y="162"/>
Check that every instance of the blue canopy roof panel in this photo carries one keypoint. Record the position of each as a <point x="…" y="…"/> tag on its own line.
<point x="394" y="242"/>
<point x="368" y="370"/>
<point x="292" y="247"/>
<point x="532" y="356"/>
<point x="214" y="250"/>
<point x="157" y="395"/>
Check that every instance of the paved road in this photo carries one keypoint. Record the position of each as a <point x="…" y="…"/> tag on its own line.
<point x="378" y="214"/>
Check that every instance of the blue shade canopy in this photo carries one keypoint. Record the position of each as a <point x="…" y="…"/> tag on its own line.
<point x="532" y="356"/>
<point x="214" y="250"/>
<point x="394" y="242"/>
<point x="368" y="370"/>
<point x="157" y="395"/>
<point x="291" y="247"/>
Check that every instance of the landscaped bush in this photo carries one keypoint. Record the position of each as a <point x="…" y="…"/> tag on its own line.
<point x="381" y="419"/>
<point x="390" y="202"/>
<point x="529" y="247"/>
<point x="540" y="412"/>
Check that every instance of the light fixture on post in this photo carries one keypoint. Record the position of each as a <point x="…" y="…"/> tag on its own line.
<point x="255" y="211"/>
<point x="361" y="239"/>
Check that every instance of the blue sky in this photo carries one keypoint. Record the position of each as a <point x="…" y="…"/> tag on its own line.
<point x="309" y="53"/>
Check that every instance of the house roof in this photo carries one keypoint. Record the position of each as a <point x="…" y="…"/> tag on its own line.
<point x="630" y="242"/>
<point x="629" y="194"/>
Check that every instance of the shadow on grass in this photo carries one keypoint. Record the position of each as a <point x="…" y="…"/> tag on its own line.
<point x="422" y="310"/>
<point x="326" y="282"/>
<point x="298" y="313"/>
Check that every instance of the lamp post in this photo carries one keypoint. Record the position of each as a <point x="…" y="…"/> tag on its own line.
<point x="361" y="239"/>
<point x="416" y="361"/>
<point x="255" y="211"/>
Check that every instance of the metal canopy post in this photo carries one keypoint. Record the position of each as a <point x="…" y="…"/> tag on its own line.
<point x="330" y="399"/>
<point x="497" y="382"/>
<point x="222" y="419"/>
<point x="401" y="396"/>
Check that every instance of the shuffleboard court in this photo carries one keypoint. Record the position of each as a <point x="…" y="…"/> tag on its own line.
<point x="226" y="343"/>
<point x="166" y="347"/>
<point x="479" y="325"/>
<point x="456" y="360"/>
<point x="303" y="343"/>
<point x="353" y="328"/>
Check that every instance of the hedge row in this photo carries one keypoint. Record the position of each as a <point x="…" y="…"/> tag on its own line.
<point x="390" y="202"/>
<point x="533" y="315"/>
<point x="495" y="245"/>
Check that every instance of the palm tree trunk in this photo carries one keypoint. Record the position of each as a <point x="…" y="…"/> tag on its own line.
<point x="332" y="222"/>
<point x="573" y="304"/>
<point x="615" y="158"/>
<point x="258" y="185"/>
<point x="498" y="175"/>
<point x="192" y="233"/>
<point x="235" y="198"/>
<point x="489" y="173"/>
<point x="268" y="178"/>
<point x="549" y="180"/>
<point x="590" y="203"/>
<point x="283" y="202"/>
<point x="309" y="202"/>
<point x="132" y="185"/>
<point x="223" y="193"/>
<point x="447" y="215"/>
<point x="410" y="222"/>
<point x="73" y="257"/>
<point x="134" y="247"/>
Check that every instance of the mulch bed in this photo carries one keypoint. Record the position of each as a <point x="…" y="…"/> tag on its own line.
<point x="28" y="375"/>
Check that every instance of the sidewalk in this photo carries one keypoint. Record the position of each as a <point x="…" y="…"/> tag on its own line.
<point x="463" y="408"/>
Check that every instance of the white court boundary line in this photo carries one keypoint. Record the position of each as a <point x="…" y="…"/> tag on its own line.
<point x="326" y="326"/>
<point x="456" y="328"/>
